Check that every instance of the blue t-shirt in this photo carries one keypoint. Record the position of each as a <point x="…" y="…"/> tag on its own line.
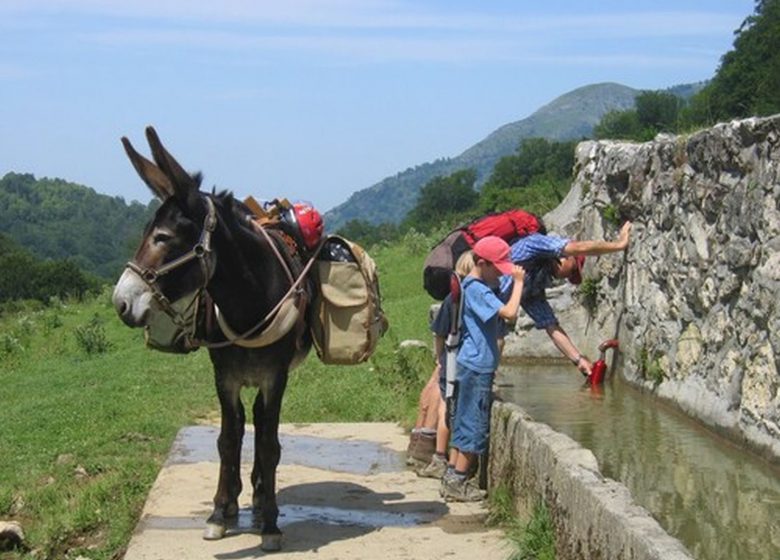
<point x="479" y="349"/>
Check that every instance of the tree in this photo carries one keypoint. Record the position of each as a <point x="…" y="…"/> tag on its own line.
<point x="367" y="234"/>
<point x="747" y="81"/>
<point x="533" y="178"/>
<point x="443" y="199"/>
<point x="615" y="125"/>
<point x="657" y="111"/>
<point x="535" y="158"/>
<point x="22" y="276"/>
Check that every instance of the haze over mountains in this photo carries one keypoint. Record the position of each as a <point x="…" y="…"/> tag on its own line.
<point x="569" y="117"/>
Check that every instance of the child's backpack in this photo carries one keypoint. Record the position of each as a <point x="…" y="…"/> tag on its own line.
<point x="509" y="226"/>
<point x="347" y="317"/>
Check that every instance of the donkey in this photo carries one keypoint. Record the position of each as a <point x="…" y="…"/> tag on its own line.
<point x="200" y="247"/>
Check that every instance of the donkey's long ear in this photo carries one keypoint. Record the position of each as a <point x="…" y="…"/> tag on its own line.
<point x="154" y="178"/>
<point x="183" y="182"/>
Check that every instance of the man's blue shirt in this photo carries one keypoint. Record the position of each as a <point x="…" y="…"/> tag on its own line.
<point x="535" y="253"/>
<point x="537" y="246"/>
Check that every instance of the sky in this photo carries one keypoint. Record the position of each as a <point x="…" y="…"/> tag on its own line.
<point x="315" y="99"/>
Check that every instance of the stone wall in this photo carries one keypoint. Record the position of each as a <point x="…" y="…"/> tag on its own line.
<point x="694" y="301"/>
<point x="594" y="517"/>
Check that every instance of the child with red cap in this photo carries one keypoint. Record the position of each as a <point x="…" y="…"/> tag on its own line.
<point x="477" y="360"/>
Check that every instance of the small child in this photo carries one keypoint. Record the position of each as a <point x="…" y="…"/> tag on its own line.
<point x="440" y="326"/>
<point x="477" y="361"/>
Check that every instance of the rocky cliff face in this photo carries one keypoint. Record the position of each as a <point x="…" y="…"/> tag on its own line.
<point x="695" y="299"/>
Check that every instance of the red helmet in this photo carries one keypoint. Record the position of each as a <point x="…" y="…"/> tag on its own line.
<point x="309" y="223"/>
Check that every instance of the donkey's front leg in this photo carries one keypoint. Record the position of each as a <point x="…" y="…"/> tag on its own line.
<point x="266" y="411"/>
<point x="229" y="446"/>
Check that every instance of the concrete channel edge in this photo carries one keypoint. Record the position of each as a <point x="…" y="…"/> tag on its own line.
<point x="594" y="517"/>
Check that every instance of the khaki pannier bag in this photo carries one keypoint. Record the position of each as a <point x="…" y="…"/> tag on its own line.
<point x="347" y="319"/>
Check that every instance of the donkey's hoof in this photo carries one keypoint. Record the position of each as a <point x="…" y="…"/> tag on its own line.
<point x="213" y="532"/>
<point x="271" y="543"/>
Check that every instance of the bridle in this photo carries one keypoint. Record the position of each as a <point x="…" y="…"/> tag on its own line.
<point x="187" y="319"/>
<point x="201" y="251"/>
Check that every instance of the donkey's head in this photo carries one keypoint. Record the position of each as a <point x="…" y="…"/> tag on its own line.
<point x="174" y="260"/>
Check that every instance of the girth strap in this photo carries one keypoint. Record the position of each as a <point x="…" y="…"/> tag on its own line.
<point x="284" y="320"/>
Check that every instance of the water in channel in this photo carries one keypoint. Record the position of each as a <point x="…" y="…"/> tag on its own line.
<point x="721" y="502"/>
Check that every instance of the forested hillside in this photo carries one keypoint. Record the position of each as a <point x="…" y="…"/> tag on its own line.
<point x="54" y="219"/>
<point x="571" y="116"/>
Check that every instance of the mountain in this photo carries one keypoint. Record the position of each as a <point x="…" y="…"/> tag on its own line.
<point x="569" y="117"/>
<point x="54" y="219"/>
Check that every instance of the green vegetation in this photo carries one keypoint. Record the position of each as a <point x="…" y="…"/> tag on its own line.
<point x="650" y="367"/>
<point x="588" y="293"/>
<point x="91" y="338"/>
<point x="54" y="219"/>
<point x="83" y="433"/>
<point x="656" y="111"/>
<point x="22" y="276"/>
<point x="88" y="414"/>
<point x="747" y="83"/>
<point x="611" y="215"/>
<point x="443" y="200"/>
<point x="532" y="538"/>
<point x="535" y="178"/>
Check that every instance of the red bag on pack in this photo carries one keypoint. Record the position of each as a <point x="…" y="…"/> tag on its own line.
<point x="510" y="226"/>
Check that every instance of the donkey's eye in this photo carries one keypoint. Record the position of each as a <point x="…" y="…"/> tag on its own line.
<point x="161" y="238"/>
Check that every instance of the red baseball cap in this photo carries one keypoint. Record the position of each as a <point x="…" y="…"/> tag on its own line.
<point x="496" y="251"/>
<point x="576" y="275"/>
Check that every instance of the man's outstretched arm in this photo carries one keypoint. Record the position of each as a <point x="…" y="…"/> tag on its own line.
<point x="567" y="348"/>
<point x="597" y="247"/>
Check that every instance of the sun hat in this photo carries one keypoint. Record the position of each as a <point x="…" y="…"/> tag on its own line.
<point x="576" y="274"/>
<point x="496" y="251"/>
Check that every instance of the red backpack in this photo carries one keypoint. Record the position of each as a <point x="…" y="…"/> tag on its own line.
<point x="440" y="263"/>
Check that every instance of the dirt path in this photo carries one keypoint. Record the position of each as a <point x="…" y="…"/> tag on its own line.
<point x="344" y="493"/>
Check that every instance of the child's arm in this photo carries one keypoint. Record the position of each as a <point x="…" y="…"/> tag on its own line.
<point x="509" y="310"/>
<point x="438" y="346"/>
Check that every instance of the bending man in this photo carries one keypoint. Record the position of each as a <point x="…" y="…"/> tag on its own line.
<point x="545" y="257"/>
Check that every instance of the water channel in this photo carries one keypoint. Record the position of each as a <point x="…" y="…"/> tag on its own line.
<point x="721" y="502"/>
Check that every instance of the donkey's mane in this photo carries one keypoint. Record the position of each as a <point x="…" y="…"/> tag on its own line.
<point x="236" y="211"/>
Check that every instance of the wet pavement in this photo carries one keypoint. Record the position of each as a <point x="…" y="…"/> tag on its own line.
<point x="343" y="492"/>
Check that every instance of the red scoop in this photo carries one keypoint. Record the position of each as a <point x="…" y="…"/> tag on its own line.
<point x="600" y="366"/>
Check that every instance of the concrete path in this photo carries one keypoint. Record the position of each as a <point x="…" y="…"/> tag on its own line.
<point x="344" y="493"/>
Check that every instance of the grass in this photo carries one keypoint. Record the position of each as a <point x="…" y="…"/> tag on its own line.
<point x="532" y="538"/>
<point x="82" y="434"/>
<point x="87" y="414"/>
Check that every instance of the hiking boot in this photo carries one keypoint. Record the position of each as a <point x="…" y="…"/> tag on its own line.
<point x="435" y="469"/>
<point x="422" y="446"/>
<point x="447" y="478"/>
<point x="461" y="490"/>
